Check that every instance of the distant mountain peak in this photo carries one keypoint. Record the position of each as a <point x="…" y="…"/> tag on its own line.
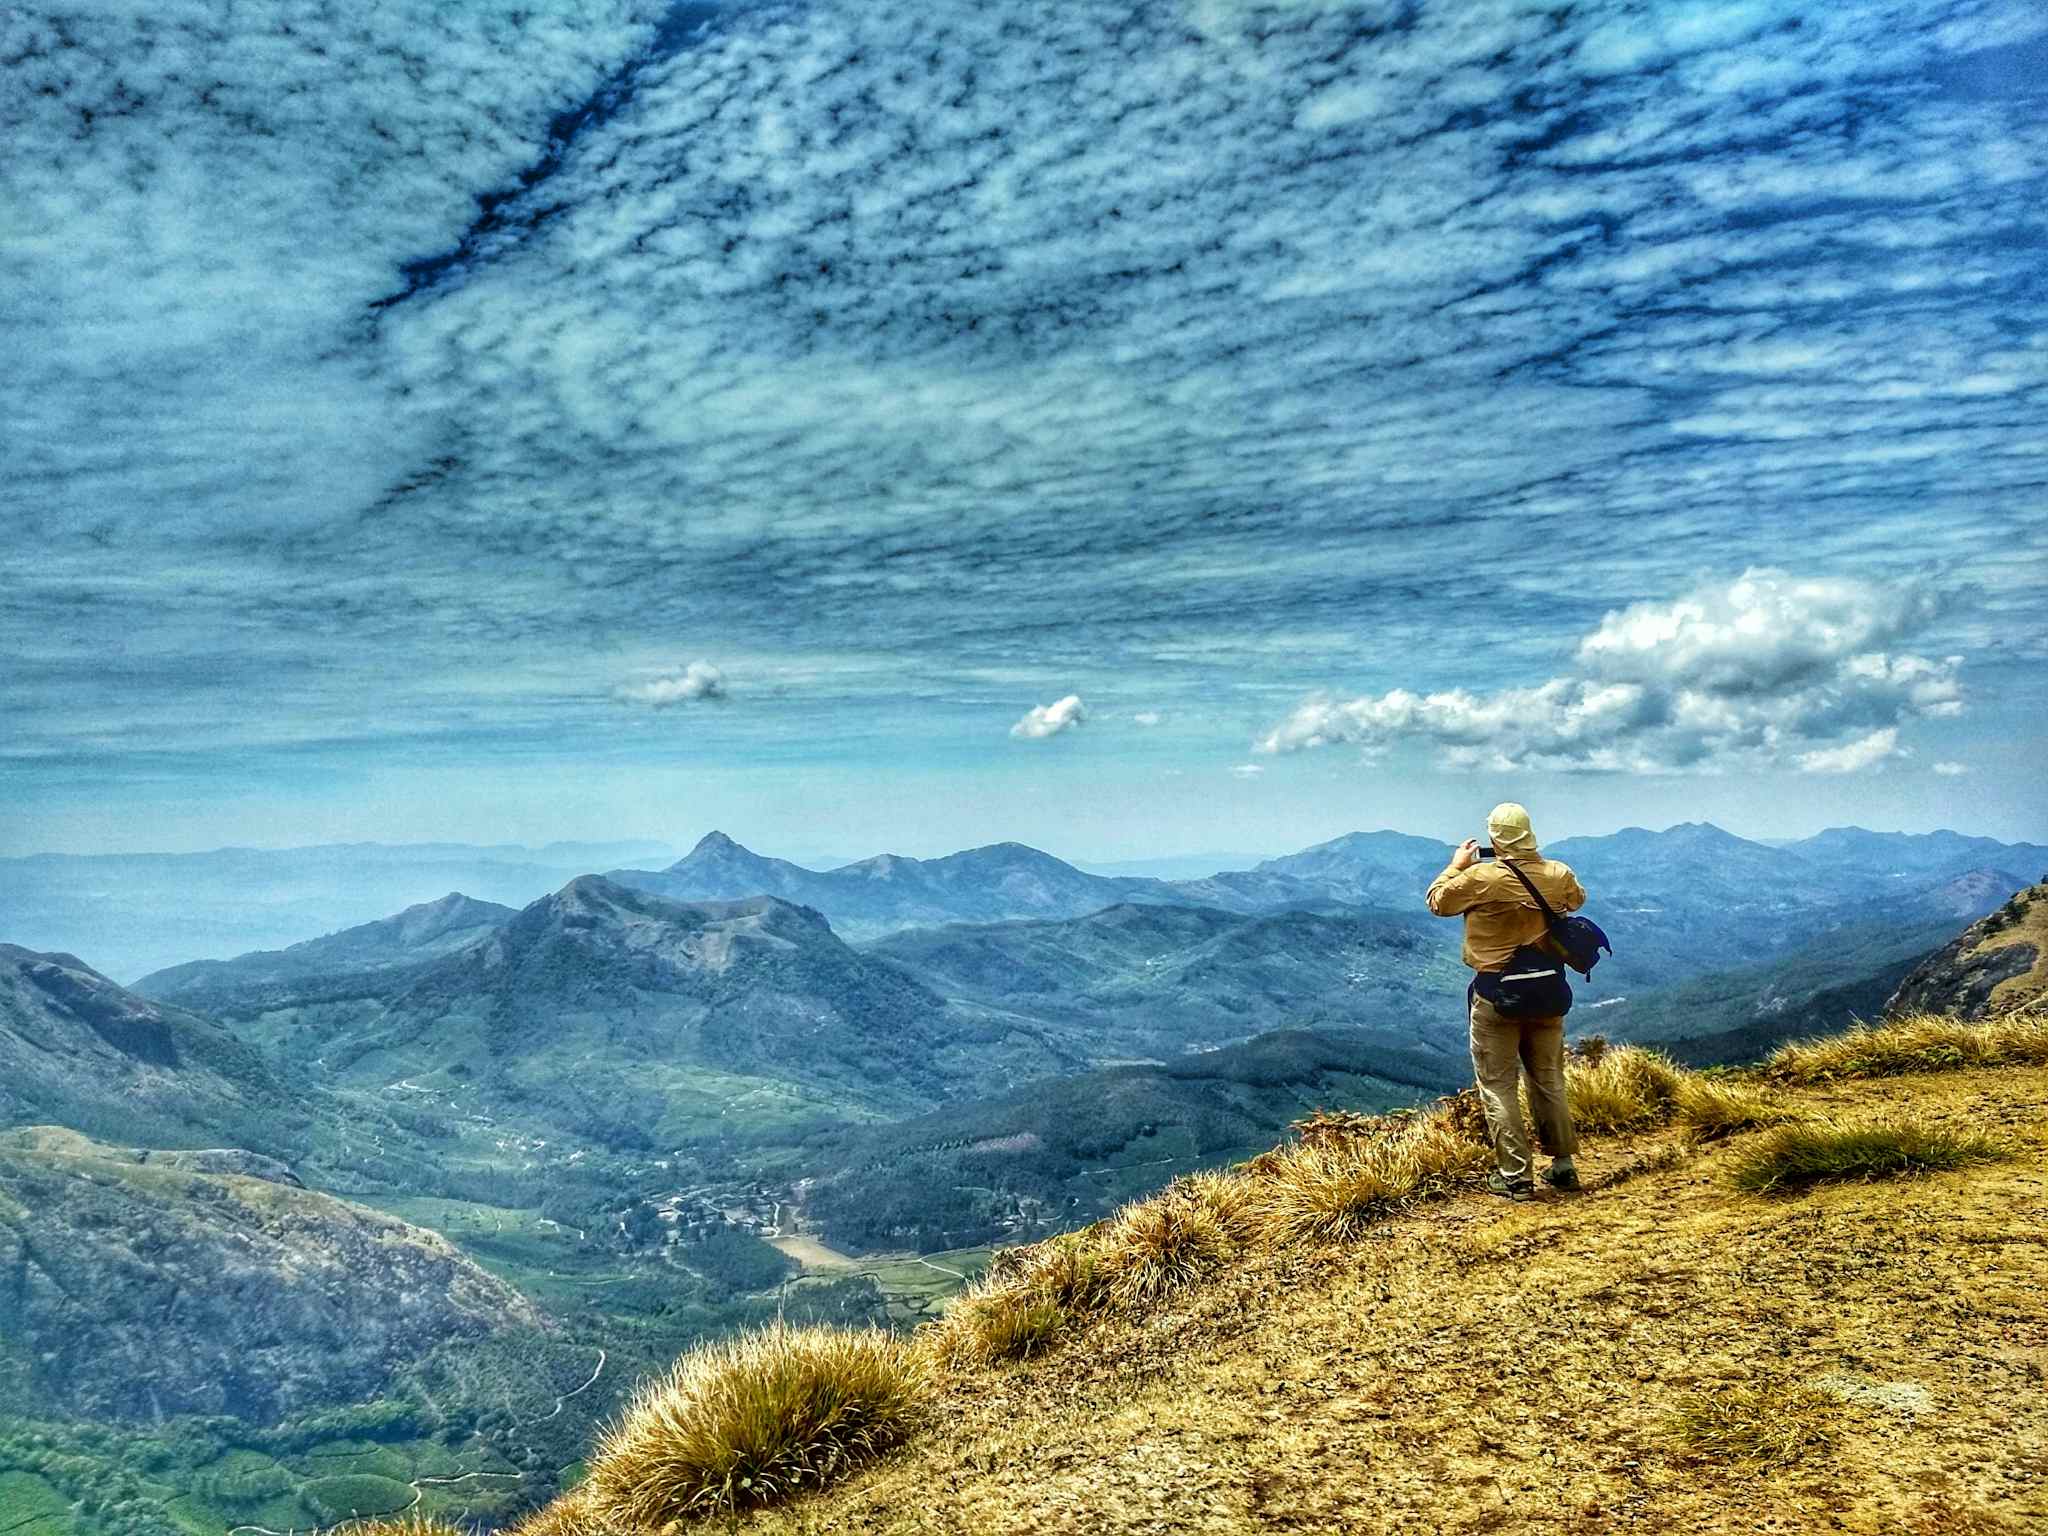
<point x="1703" y="832"/>
<point x="715" y="851"/>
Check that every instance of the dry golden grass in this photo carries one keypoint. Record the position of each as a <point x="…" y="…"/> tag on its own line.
<point x="1159" y="1245"/>
<point x="1623" y="1088"/>
<point x="1146" y="1251"/>
<point x="1836" y="1151"/>
<point x="1713" y="1107"/>
<point x="1773" y="1425"/>
<point x="1330" y="1188"/>
<point x="573" y="1514"/>
<point x="1067" y="1271"/>
<point x="399" y="1525"/>
<point x="1226" y="1195"/>
<point x="1483" y="1365"/>
<point x="1138" y="1425"/>
<point x="754" y="1419"/>
<point x="1918" y="1043"/>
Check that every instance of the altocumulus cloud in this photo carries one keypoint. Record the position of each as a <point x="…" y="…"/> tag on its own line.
<point x="1768" y="668"/>
<point x="1044" y="720"/>
<point x="404" y="338"/>
<point x="699" y="680"/>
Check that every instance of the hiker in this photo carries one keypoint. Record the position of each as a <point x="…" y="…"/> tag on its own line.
<point x="1500" y="917"/>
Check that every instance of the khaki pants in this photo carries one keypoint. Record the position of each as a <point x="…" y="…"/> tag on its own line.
<point x="1499" y="1045"/>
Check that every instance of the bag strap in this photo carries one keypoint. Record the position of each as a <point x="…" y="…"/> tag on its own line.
<point x="1549" y="917"/>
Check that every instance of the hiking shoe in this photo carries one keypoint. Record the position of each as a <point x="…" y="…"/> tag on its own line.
<point x="1498" y="1183"/>
<point x="1566" y="1179"/>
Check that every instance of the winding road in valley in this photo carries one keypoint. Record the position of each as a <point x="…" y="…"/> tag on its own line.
<point x="419" y="1485"/>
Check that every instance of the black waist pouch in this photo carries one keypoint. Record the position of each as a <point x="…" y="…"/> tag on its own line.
<point x="1530" y="986"/>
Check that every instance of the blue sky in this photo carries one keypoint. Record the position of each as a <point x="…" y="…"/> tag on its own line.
<point x="1130" y="428"/>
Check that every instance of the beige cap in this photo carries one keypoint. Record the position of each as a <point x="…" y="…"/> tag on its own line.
<point x="1508" y="825"/>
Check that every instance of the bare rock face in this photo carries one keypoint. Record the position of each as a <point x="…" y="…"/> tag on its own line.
<point x="77" y="1049"/>
<point x="1996" y="965"/>
<point x="132" y="1286"/>
<point x="247" y="1165"/>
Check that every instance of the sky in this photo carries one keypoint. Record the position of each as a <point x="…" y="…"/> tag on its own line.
<point x="1131" y="428"/>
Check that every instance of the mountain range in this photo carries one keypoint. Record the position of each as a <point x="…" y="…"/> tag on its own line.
<point x="135" y="914"/>
<point x="138" y="912"/>
<point x="648" y="1004"/>
<point x="616" y="1014"/>
<point x="999" y="883"/>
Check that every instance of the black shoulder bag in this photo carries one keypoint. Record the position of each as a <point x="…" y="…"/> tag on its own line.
<point x="1533" y="985"/>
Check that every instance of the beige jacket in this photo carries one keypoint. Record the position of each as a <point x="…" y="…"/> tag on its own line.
<point x="1500" y="916"/>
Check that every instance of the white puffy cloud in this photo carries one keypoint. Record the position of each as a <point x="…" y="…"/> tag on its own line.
<point x="1951" y="770"/>
<point x="1758" y="634"/>
<point x="1046" y="720"/>
<point x="1147" y="717"/>
<point x="699" y="680"/>
<point x="1246" y="770"/>
<point x="1764" y="669"/>
<point x="1853" y="756"/>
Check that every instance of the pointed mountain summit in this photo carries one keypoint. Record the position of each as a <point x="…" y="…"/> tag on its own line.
<point x="722" y="869"/>
<point x="1001" y="882"/>
<point x="610" y="1008"/>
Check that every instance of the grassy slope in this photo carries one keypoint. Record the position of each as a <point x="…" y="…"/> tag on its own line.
<point x="1322" y="1389"/>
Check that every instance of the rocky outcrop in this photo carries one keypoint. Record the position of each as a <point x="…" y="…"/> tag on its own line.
<point x="1996" y="965"/>
<point x="78" y="1049"/>
<point x="137" y="1288"/>
<point x="231" y="1160"/>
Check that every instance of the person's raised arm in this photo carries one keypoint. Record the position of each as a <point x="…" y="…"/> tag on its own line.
<point x="1446" y="896"/>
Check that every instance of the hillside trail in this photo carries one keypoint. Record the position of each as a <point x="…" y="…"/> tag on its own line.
<point x="1480" y="1365"/>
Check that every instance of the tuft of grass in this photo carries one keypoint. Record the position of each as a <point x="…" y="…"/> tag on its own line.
<point x="399" y="1525"/>
<point x="1621" y="1088"/>
<point x="1764" y="1426"/>
<point x="1924" y="1042"/>
<point x="993" y="1323"/>
<point x="1227" y="1196"/>
<point x="1067" y="1271"/>
<point x="754" y="1419"/>
<point x="1832" y="1151"/>
<point x="1145" y="1251"/>
<point x="1332" y="1188"/>
<point x="573" y="1514"/>
<point x="1159" y="1245"/>
<point x="1711" y="1108"/>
